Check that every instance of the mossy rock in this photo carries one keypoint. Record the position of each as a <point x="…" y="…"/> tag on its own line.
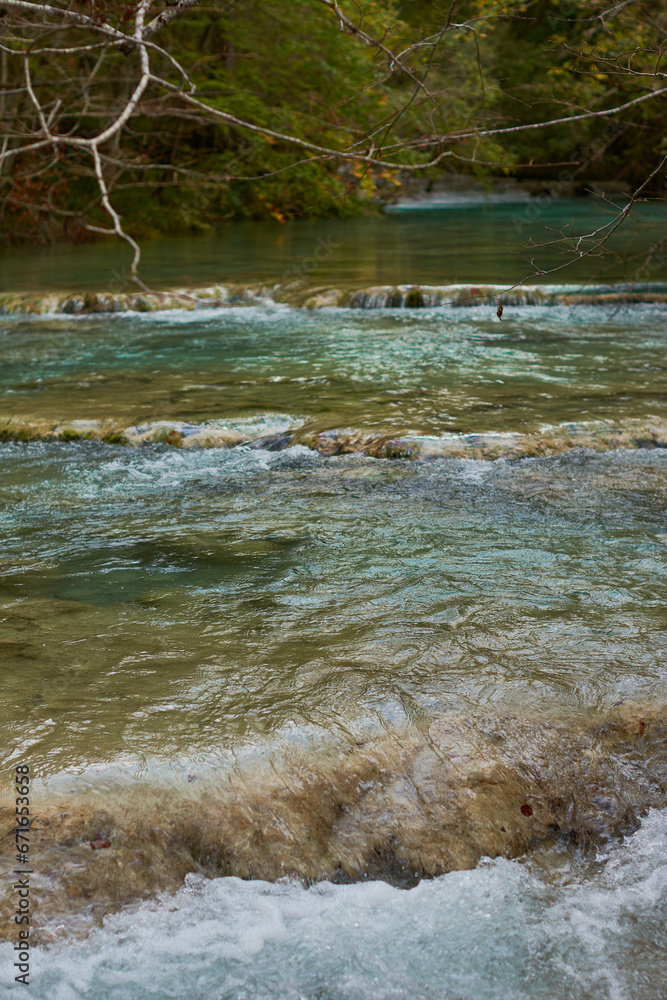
<point x="169" y="435"/>
<point x="175" y="438"/>
<point x="72" y="306"/>
<point x="18" y="434"/>
<point x="400" y="449"/>
<point x="414" y="299"/>
<point x="140" y="304"/>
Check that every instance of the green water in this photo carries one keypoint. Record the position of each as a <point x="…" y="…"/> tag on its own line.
<point x="164" y="602"/>
<point x="169" y="605"/>
<point x="483" y="244"/>
<point x="425" y="371"/>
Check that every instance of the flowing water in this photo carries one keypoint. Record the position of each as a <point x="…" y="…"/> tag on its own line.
<point x="340" y="634"/>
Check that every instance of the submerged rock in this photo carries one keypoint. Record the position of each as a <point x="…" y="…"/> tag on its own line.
<point x="274" y="432"/>
<point x="89" y="303"/>
<point x="594" y="435"/>
<point x="400" y="808"/>
<point x="16" y="429"/>
<point x="327" y="298"/>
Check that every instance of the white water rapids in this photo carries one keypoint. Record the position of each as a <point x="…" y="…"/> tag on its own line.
<point x="503" y="931"/>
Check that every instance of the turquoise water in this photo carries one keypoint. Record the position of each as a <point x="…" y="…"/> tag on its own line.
<point x="482" y="244"/>
<point x="428" y="371"/>
<point x="265" y="629"/>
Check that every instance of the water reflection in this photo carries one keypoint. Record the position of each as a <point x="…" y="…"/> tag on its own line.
<point x="479" y="244"/>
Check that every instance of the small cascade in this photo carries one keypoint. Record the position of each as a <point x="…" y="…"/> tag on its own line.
<point x="303" y="296"/>
<point x="397" y="297"/>
<point x="462" y="296"/>
<point x="276" y="432"/>
<point x="399" y="808"/>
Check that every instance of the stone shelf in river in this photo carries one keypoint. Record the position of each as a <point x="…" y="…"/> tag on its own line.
<point x="276" y="432"/>
<point x="399" y="808"/>
<point x="302" y="295"/>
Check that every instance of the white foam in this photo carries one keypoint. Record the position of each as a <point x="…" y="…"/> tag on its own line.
<point x="495" y="932"/>
<point x="140" y="473"/>
<point x="461" y="199"/>
<point x="257" y="310"/>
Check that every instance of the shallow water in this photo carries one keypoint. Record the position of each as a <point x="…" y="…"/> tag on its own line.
<point x="169" y="604"/>
<point x="266" y="659"/>
<point x="425" y="371"/>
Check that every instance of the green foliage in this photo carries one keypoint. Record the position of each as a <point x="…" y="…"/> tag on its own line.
<point x="555" y="58"/>
<point x="289" y="68"/>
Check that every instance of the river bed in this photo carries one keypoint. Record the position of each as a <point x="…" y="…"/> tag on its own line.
<point x="341" y="633"/>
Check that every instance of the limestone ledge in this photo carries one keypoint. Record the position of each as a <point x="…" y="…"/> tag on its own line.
<point x="400" y="807"/>
<point x="90" y="303"/>
<point x="303" y="295"/>
<point x="275" y="433"/>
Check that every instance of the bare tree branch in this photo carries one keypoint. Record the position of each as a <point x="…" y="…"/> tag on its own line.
<point x="42" y="124"/>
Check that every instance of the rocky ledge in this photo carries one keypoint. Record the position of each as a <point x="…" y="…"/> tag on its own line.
<point x="400" y="808"/>
<point x="276" y="432"/>
<point x="303" y="295"/>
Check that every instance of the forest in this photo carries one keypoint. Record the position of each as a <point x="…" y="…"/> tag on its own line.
<point x="262" y="109"/>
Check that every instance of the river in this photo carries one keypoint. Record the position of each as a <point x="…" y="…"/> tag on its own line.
<point x="338" y="633"/>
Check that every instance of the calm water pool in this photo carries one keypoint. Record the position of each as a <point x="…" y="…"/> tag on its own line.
<point x="484" y="243"/>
